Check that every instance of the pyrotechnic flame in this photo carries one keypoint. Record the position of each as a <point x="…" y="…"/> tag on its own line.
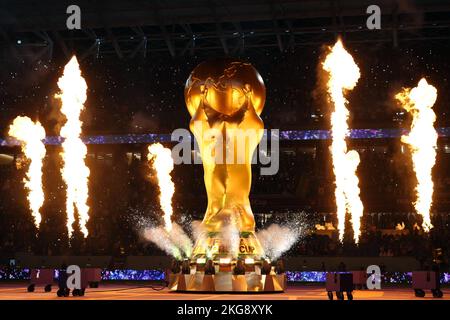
<point x="162" y="162"/>
<point x="74" y="172"/>
<point x="30" y="134"/>
<point x="343" y="76"/>
<point x="422" y="141"/>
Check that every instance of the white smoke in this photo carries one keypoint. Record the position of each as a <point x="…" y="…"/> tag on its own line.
<point x="198" y="230"/>
<point x="181" y="240"/>
<point x="277" y="239"/>
<point x="175" y="243"/>
<point x="231" y="239"/>
<point x="159" y="236"/>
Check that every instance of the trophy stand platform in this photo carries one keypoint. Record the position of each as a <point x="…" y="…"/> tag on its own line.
<point x="214" y="268"/>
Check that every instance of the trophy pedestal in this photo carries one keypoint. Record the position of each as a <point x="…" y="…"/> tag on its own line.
<point x="212" y="268"/>
<point x="226" y="282"/>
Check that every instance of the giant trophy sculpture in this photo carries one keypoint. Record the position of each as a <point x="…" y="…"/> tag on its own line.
<point x="225" y="98"/>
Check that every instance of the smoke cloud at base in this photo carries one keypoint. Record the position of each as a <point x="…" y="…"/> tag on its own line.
<point x="277" y="239"/>
<point x="175" y="243"/>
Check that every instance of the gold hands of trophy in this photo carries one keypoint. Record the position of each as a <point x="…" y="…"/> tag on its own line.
<point x="225" y="98"/>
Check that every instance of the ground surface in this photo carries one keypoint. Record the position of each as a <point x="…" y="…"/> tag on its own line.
<point x="142" y="291"/>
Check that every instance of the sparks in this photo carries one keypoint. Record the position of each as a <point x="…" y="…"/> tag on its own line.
<point x="162" y="162"/>
<point x="74" y="172"/>
<point x="343" y="76"/>
<point x="30" y="134"/>
<point x="422" y="141"/>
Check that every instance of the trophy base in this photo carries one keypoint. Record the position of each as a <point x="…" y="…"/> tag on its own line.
<point x="213" y="267"/>
<point x="227" y="282"/>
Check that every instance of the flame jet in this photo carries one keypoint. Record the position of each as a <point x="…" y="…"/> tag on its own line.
<point x="343" y="76"/>
<point x="30" y="135"/>
<point x="74" y="171"/>
<point x="161" y="160"/>
<point x="422" y="141"/>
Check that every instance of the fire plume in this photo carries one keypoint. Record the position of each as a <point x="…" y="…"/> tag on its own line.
<point x="161" y="160"/>
<point x="343" y="76"/>
<point x="74" y="172"/>
<point x="422" y="141"/>
<point x="30" y="135"/>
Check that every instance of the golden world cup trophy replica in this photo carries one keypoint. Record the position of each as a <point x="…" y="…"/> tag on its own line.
<point x="225" y="99"/>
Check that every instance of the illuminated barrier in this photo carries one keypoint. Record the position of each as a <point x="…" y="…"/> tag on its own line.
<point x="41" y="277"/>
<point x="340" y="283"/>
<point x="426" y="280"/>
<point x="359" y="279"/>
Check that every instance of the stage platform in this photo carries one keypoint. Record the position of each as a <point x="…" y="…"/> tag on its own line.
<point x="143" y="291"/>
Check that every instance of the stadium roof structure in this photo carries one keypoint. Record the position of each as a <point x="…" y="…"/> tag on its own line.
<point x="136" y="28"/>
